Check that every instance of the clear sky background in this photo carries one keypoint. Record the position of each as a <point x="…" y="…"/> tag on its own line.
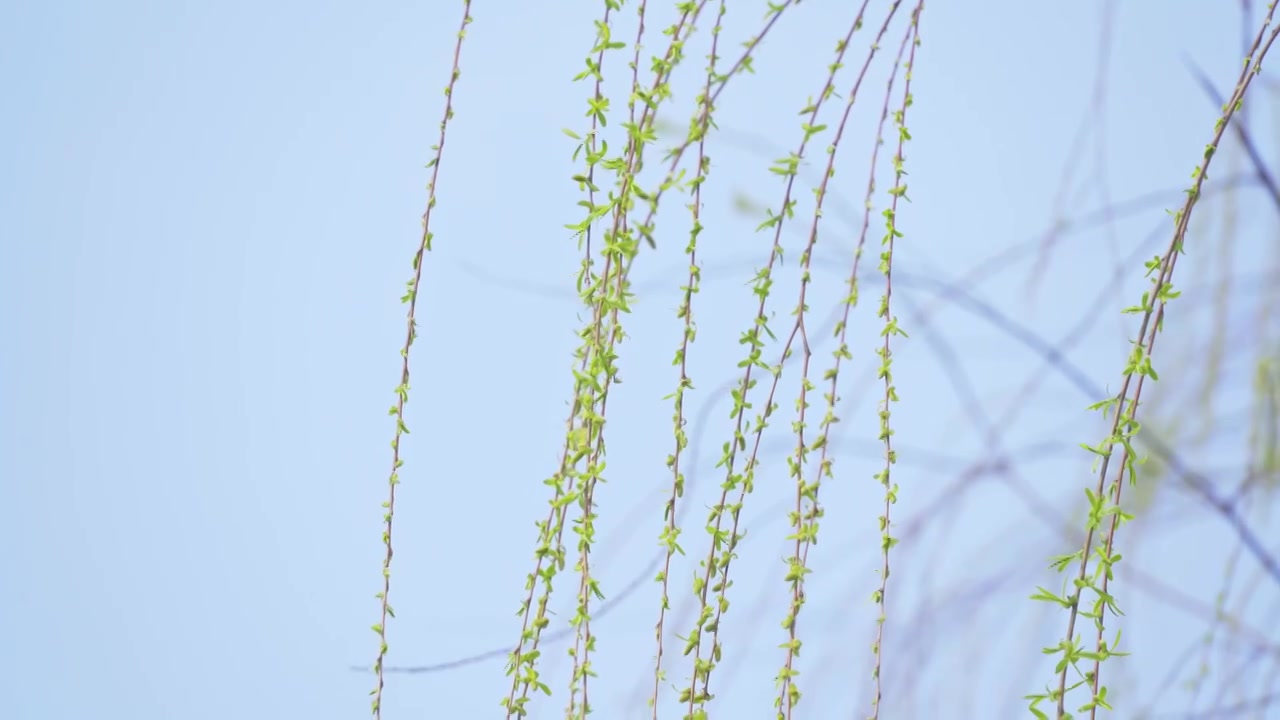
<point x="207" y="215"/>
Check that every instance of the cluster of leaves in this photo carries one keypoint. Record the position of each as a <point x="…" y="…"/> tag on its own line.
<point x="614" y="227"/>
<point x="1105" y="514"/>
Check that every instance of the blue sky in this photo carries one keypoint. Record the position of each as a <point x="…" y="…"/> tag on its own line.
<point x="207" y="214"/>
